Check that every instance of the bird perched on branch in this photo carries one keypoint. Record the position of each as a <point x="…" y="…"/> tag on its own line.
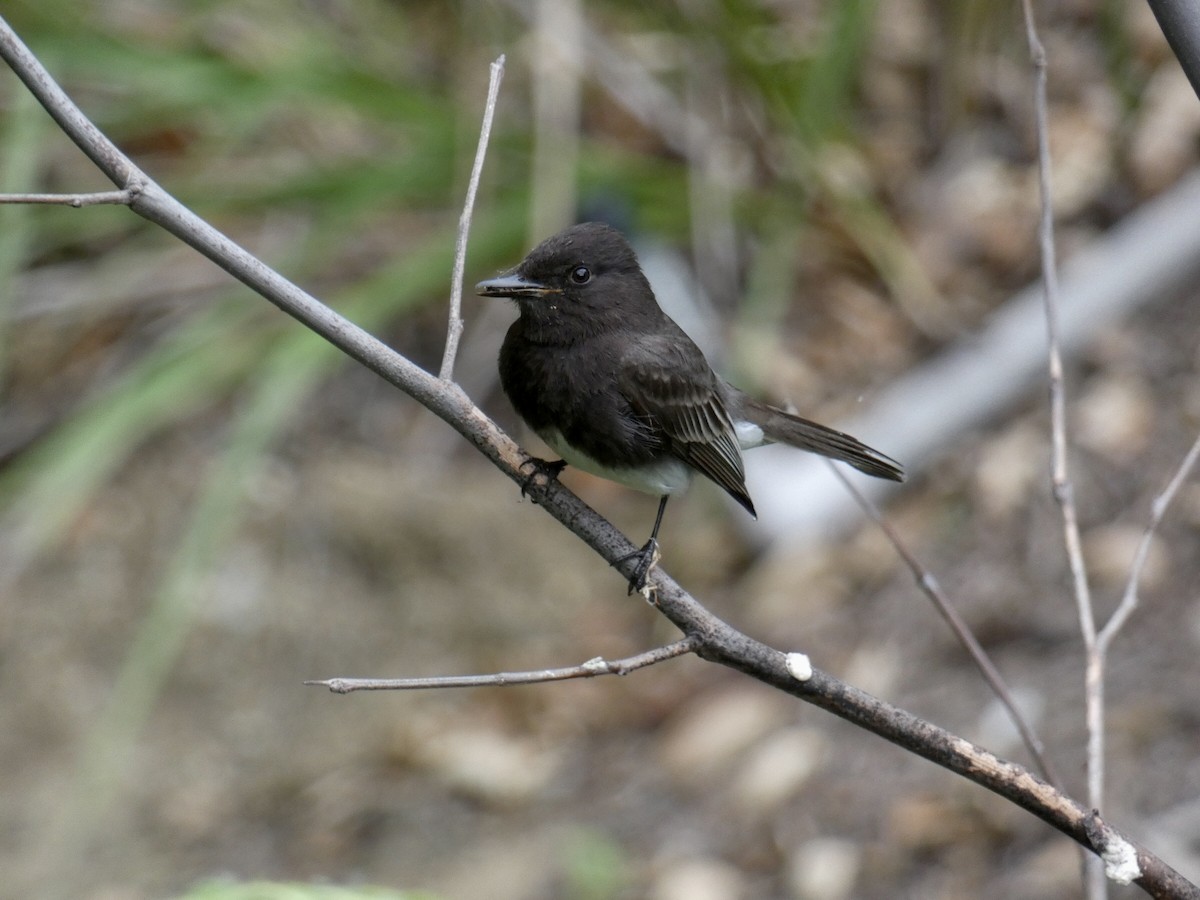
<point x="613" y="385"/>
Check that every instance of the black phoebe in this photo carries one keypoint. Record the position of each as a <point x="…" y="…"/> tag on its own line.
<point x="614" y="386"/>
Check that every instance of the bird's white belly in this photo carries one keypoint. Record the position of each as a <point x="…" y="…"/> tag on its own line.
<point x="667" y="476"/>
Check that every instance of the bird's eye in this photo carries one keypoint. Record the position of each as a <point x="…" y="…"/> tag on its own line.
<point x="581" y="274"/>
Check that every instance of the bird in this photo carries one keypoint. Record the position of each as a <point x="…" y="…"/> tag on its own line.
<point x="608" y="381"/>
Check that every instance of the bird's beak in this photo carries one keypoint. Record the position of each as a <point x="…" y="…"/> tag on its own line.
<point x="513" y="285"/>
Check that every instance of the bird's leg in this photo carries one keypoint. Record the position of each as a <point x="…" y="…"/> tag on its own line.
<point x="548" y="468"/>
<point x="648" y="555"/>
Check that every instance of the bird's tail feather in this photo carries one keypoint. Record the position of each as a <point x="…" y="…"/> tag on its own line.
<point x="786" y="428"/>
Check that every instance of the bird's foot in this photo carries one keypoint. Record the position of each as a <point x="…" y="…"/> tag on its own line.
<point x="647" y="558"/>
<point x="545" y="467"/>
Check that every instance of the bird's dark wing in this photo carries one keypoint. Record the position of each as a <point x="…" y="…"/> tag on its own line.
<point x="668" y="383"/>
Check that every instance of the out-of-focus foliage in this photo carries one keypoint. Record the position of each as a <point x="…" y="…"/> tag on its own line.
<point x="337" y="138"/>
<point x="804" y="152"/>
<point x="281" y="891"/>
<point x="265" y="119"/>
<point x="334" y="140"/>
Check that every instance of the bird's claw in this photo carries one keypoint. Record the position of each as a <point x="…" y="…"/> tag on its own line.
<point x="647" y="558"/>
<point x="548" y="468"/>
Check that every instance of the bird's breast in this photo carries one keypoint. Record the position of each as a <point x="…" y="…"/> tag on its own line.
<point x="573" y="394"/>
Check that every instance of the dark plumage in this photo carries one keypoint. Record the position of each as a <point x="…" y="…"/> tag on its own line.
<point x="608" y="380"/>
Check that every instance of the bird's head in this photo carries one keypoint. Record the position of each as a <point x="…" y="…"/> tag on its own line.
<point x="587" y="274"/>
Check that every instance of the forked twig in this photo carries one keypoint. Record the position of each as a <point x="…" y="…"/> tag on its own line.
<point x="716" y="640"/>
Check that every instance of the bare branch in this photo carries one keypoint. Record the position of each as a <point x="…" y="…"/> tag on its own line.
<point x="455" y="326"/>
<point x="118" y="198"/>
<point x="1180" y="23"/>
<point x="932" y="589"/>
<point x="589" y="669"/>
<point x="1064" y="491"/>
<point x="1158" y="509"/>
<point x="1063" y="487"/>
<point x="714" y="640"/>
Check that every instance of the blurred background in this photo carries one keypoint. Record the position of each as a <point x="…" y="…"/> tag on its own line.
<point x="201" y="505"/>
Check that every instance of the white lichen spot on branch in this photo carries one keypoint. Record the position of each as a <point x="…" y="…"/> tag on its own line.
<point x="799" y="666"/>
<point x="1120" y="861"/>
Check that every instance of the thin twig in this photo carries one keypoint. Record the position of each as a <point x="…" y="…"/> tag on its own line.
<point x="589" y="669"/>
<point x="455" y="327"/>
<point x="119" y="198"/>
<point x="1063" y="487"/>
<point x="932" y="589"/>
<point x="717" y="640"/>
<point x="1158" y="509"/>
<point x="1064" y="491"/>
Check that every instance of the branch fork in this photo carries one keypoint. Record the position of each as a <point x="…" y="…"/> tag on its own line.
<point x="704" y="634"/>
